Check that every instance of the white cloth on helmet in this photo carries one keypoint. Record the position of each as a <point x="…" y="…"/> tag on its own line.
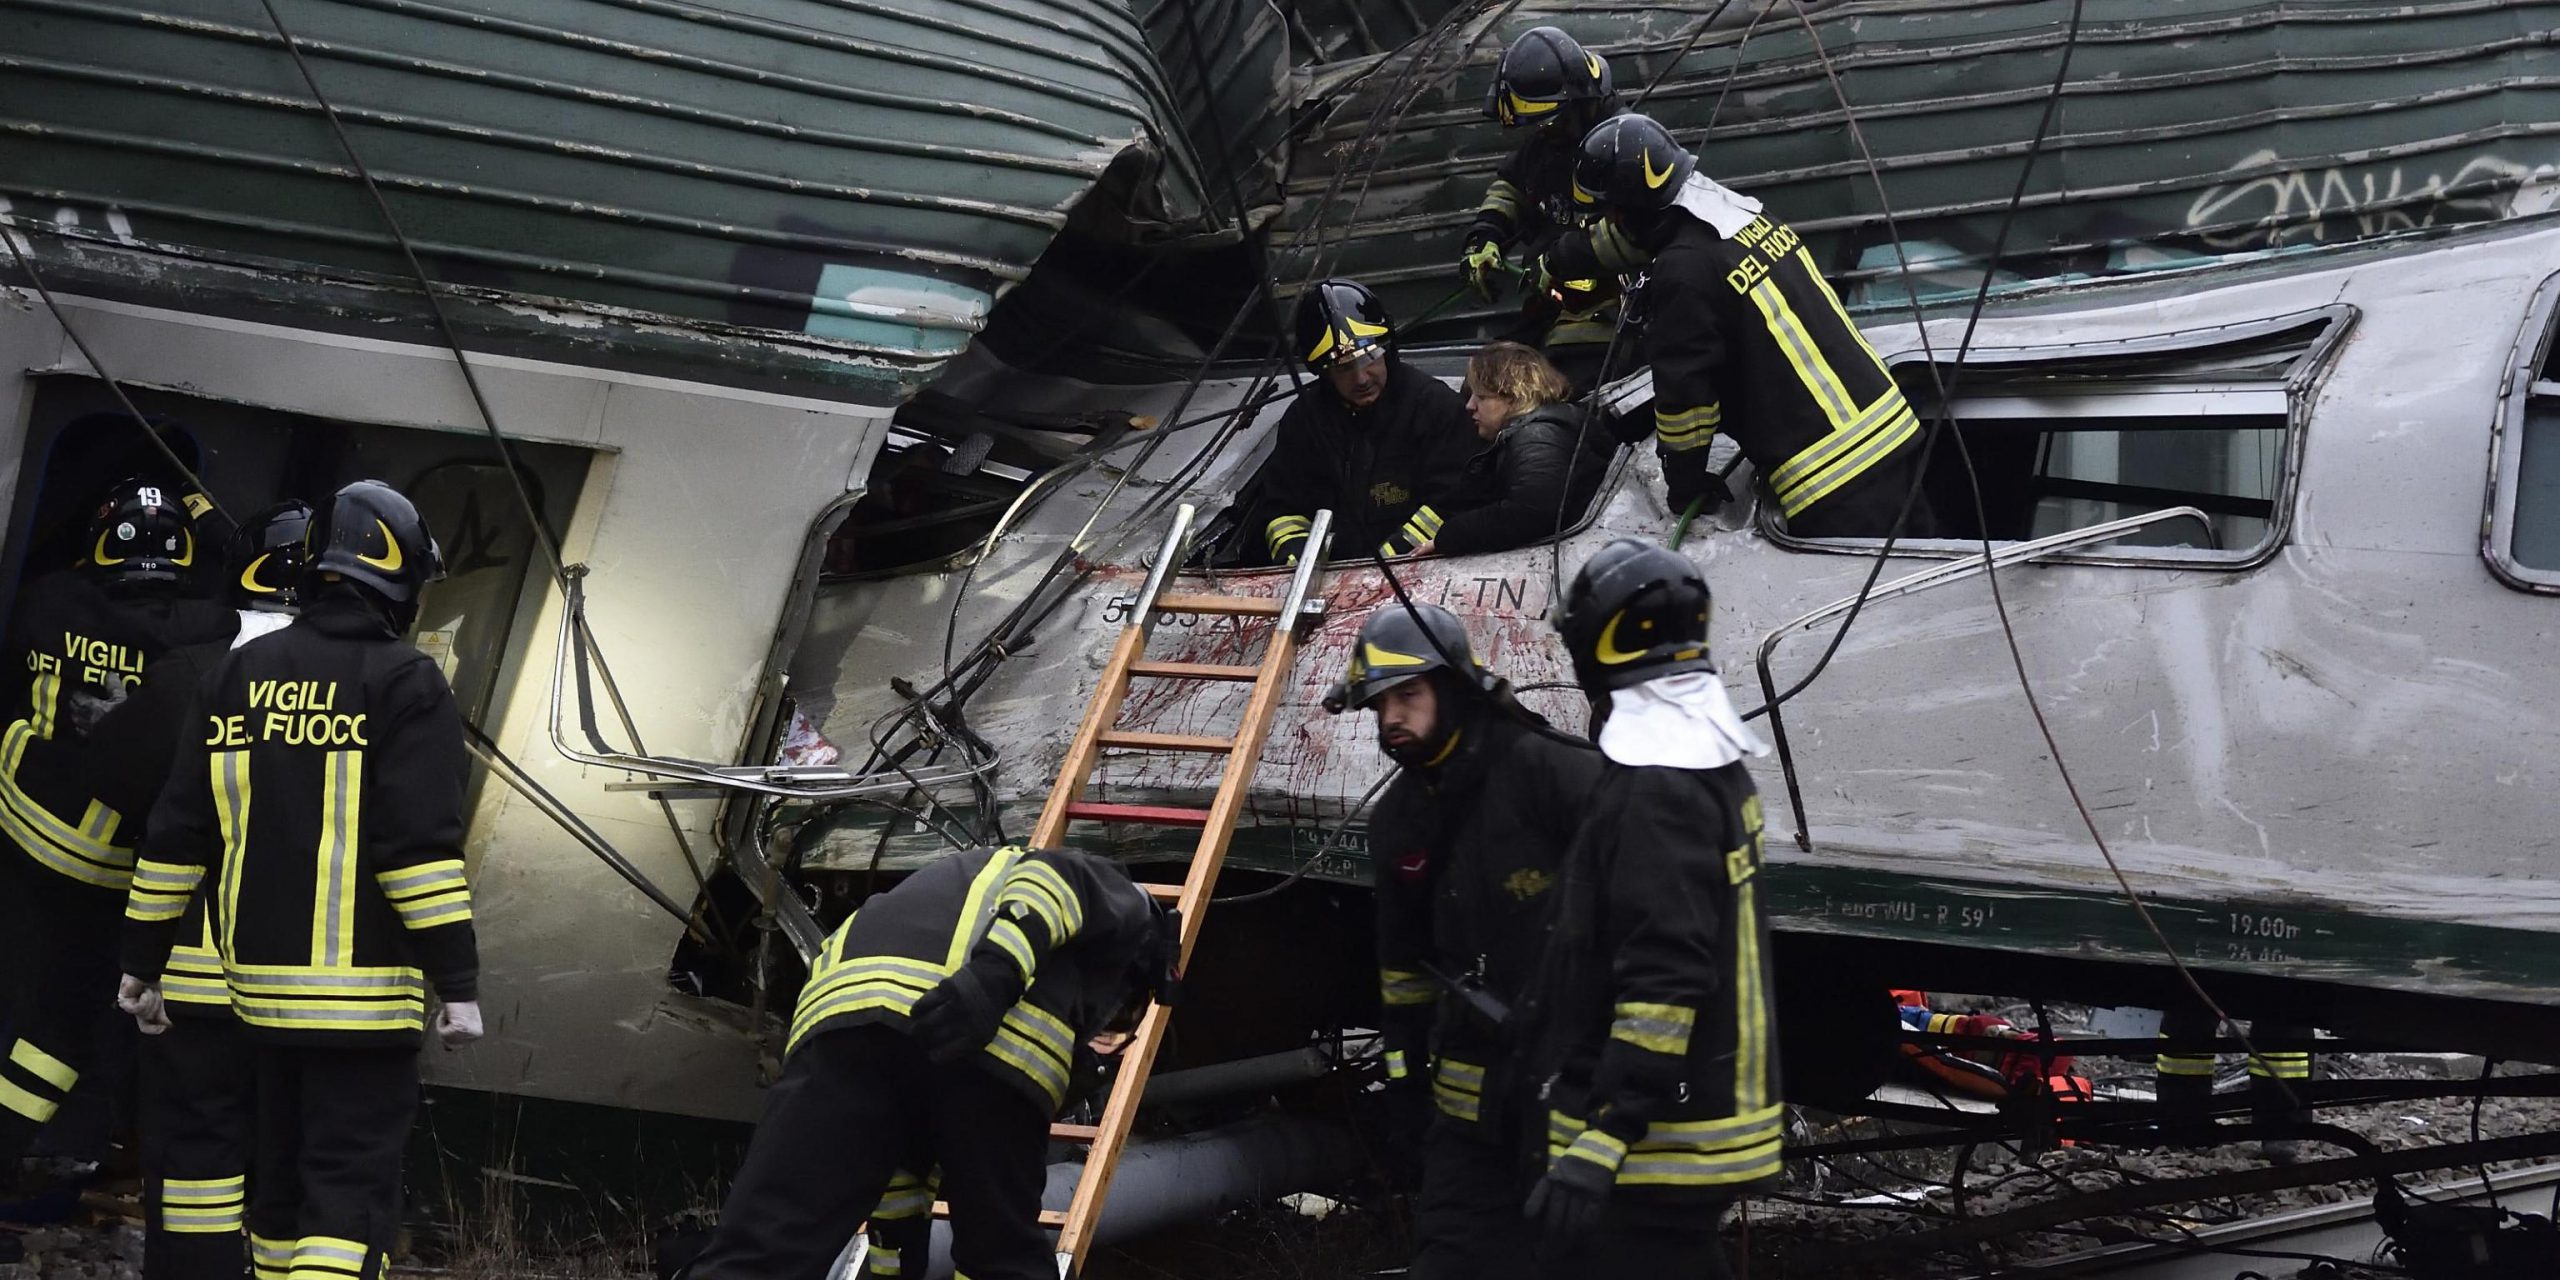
<point x="1680" y="721"/>
<point x="1716" y="205"/>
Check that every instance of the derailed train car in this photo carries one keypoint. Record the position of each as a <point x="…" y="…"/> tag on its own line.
<point x="849" y="350"/>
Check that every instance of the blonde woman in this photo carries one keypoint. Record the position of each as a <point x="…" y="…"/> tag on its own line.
<point x="1538" y="468"/>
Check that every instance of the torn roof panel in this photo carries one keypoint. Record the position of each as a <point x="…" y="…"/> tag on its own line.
<point x="859" y="176"/>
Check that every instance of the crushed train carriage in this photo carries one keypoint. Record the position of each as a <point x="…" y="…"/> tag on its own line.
<point x="826" y="330"/>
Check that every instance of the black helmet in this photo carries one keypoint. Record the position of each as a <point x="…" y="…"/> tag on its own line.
<point x="1542" y="72"/>
<point x="1341" y="321"/>
<point x="1397" y="644"/>
<point x="1631" y="162"/>
<point x="141" y="533"/>
<point x="372" y="535"/>
<point x="1635" y="612"/>
<point x="268" y="555"/>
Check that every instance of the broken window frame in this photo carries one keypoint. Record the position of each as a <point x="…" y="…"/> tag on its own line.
<point x="2331" y="324"/>
<point x="2537" y="346"/>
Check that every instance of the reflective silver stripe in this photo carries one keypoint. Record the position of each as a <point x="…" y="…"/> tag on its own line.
<point x="166" y="877"/>
<point x="361" y="982"/>
<point x="398" y="1015"/>
<point x="200" y="1191"/>
<point x="1460" y="1074"/>
<point x="1009" y="1048"/>
<point x="427" y="915"/>
<point x="426" y="877"/>
<point x="186" y="990"/>
<point x="1900" y="431"/>
<point x="333" y="923"/>
<point x="42" y="826"/>
<point x="152" y="908"/>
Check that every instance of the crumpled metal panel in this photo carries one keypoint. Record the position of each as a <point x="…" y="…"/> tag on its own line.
<point x="2186" y="130"/>
<point x="860" y="176"/>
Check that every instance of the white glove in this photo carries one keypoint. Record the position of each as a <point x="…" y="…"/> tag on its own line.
<point x="458" y="1024"/>
<point x="142" y="1000"/>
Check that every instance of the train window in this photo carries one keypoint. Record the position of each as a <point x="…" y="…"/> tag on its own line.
<point x="2522" y="536"/>
<point x="2067" y="437"/>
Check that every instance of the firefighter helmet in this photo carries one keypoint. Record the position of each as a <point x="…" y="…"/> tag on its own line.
<point x="1631" y="162"/>
<point x="371" y="534"/>
<point x="141" y="533"/>
<point x="1342" y="322"/>
<point x="1635" y="612"/>
<point x="1542" y="75"/>
<point x="1399" y="643"/>
<point x="269" y="554"/>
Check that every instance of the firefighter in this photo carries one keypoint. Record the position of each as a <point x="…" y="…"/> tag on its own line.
<point x="1540" y="462"/>
<point x="199" y="1087"/>
<point x="1466" y="842"/>
<point x="1553" y="89"/>
<point x="1648" y="1033"/>
<point x="942" y="1026"/>
<point x="332" y="735"/>
<point x="1744" y="335"/>
<point x="2184" y="1081"/>
<point x="83" y="639"/>
<point x="1373" y="444"/>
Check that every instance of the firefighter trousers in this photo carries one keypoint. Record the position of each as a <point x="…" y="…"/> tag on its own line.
<point x="1650" y="1242"/>
<point x="61" y="951"/>
<point x="199" y="1099"/>
<point x="324" y="1187"/>
<point x="1467" y="1223"/>
<point x="856" y="1105"/>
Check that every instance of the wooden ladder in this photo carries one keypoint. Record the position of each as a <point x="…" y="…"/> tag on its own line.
<point x="1215" y="823"/>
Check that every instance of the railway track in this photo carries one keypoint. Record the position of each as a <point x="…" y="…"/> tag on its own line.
<point x="2280" y="1244"/>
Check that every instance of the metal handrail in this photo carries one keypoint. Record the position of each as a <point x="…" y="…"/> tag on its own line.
<point x="1966" y="566"/>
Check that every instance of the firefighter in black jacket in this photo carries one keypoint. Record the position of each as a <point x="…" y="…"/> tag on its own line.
<point x="1539" y="466"/>
<point x="1557" y="90"/>
<point x="83" y="639"/>
<point x="1648" y="1028"/>
<point x="1744" y="335"/>
<point x="199" y="1082"/>
<point x="941" y="1026"/>
<point x="331" y="735"/>
<point x="1465" y="843"/>
<point x="1375" y="442"/>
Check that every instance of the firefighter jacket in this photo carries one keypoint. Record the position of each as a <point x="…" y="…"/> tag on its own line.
<point x="1075" y="924"/>
<point x="82" y="649"/>
<point x="1745" y="336"/>
<point x="1649" y="1023"/>
<point x="1532" y="481"/>
<point x="1530" y="189"/>
<point x="1466" y="856"/>
<point x="331" y="736"/>
<point x="1373" y="467"/>
<point x="133" y="748"/>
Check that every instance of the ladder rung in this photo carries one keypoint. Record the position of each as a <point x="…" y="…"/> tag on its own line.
<point x="1189" y="671"/>
<point x="1240" y="606"/>
<point x="1162" y="815"/>
<point x="1165" y="741"/>
<point x="1168" y="892"/>
<point x="1076" y="1132"/>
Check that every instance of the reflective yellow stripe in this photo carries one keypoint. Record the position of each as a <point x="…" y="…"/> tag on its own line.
<point x="908" y="1196"/>
<point x="978" y="907"/>
<point x="327" y="1258"/>
<point x="203" y="1205"/>
<point x="1402" y="987"/>
<point x="44" y="697"/>
<point x="1797" y="345"/>
<point x="26" y="1104"/>
<point x="1458" y="1089"/>
<point x="268" y="1259"/>
<point x="230" y="777"/>
<point x="1656" y="1028"/>
<point x="1502" y="197"/>
<point x="1038" y="885"/>
<point x="152" y="908"/>
<point x="43" y="1066"/>
<point x="2281" y="1065"/>
<point x="1878" y="446"/>
<point x="428" y="894"/>
<point x="333" y="907"/>
<point x="1286" y="529"/>
<point x="83" y="852"/>
<point x="1008" y="937"/>
<point x="1751" y="1000"/>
